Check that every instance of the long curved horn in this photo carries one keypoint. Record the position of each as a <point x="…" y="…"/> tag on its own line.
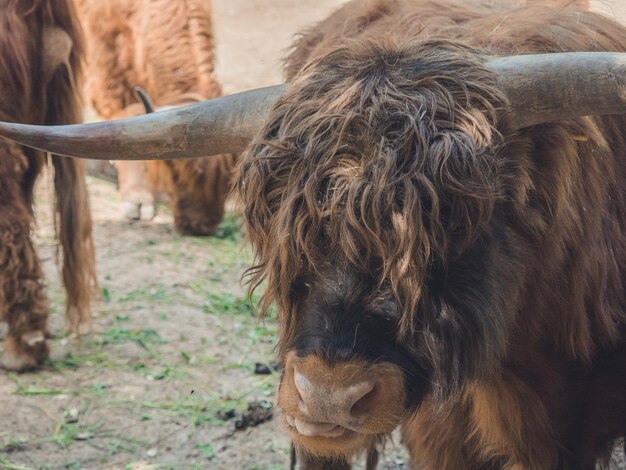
<point x="144" y="98"/>
<point x="541" y="88"/>
<point x="222" y="125"/>
<point x="551" y="87"/>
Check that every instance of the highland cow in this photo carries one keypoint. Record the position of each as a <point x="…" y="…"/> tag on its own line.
<point x="40" y="68"/>
<point x="436" y="204"/>
<point x="167" y="48"/>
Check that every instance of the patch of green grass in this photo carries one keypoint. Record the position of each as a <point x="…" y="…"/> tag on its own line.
<point x="116" y="446"/>
<point x="105" y="293"/>
<point x="143" y="337"/>
<point x="147" y="259"/>
<point x="157" y="293"/>
<point x="166" y="372"/>
<point x="244" y="365"/>
<point x="224" y="303"/>
<point x="186" y="357"/>
<point x="72" y="465"/>
<point x="229" y="229"/>
<point x="268" y="388"/>
<point x="12" y="445"/>
<point x="204" y="360"/>
<point x="228" y="304"/>
<point x="190" y="466"/>
<point x="40" y="391"/>
<point x="264" y="333"/>
<point x="197" y="410"/>
<point x="147" y="339"/>
<point x="207" y="450"/>
<point x="98" y="389"/>
<point x="153" y="293"/>
<point x="177" y="255"/>
<point x="228" y="253"/>
<point x="76" y="360"/>
<point x="6" y="464"/>
<point x="197" y="414"/>
<point x="66" y="433"/>
<point x="33" y="390"/>
<point x="119" y="443"/>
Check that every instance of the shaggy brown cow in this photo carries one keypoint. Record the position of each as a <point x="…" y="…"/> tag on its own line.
<point x="166" y="47"/>
<point x="441" y="223"/>
<point x="435" y="268"/>
<point x="40" y="68"/>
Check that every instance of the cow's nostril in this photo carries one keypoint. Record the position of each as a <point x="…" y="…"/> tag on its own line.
<point x="303" y="385"/>
<point x="304" y="391"/>
<point x="362" y="398"/>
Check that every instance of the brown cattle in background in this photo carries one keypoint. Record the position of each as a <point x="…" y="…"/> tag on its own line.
<point x="166" y="47"/>
<point x="40" y="70"/>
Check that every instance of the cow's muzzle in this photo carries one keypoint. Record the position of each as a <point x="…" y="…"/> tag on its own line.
<point x="340" y="409"/>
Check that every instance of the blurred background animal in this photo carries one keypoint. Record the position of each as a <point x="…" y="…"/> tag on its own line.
<point x="40" y="76"/>
<point x="167" y="48"/>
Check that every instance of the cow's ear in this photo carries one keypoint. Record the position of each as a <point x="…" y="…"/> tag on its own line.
<point x="467" y="314"/>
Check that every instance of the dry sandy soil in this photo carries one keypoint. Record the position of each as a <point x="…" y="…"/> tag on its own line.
<point x="174" y="343"/>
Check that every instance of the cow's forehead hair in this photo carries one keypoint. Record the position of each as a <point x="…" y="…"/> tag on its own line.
<point x="339" y="284"/>
<point x="337" y="279"/>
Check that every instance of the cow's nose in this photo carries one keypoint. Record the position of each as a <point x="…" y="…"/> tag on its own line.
<point x="337" y="409"/>
<point x="327" y="408"/>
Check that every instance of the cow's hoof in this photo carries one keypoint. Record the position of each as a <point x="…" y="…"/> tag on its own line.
<point x="139" y="210"/>
<point x="24" y="355"/>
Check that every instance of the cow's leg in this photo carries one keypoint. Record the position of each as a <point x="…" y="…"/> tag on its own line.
<point x="23" y="304"/>
<point x="135" y="190"/>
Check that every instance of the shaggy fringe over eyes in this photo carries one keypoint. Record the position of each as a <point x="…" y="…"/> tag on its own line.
<point x="379" y="154"/>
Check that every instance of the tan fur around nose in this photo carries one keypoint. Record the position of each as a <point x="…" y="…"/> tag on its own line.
<point x="366" y="399"/>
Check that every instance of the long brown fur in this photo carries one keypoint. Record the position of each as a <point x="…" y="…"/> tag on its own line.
<point x="31" y="96"/>
<point x="166" y="47"/>
<point x="387" y="153"/>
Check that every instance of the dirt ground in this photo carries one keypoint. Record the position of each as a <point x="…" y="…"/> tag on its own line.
<point x="167" y="372"/>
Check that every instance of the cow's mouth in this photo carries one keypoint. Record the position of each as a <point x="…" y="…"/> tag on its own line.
<point x="307" y="428"/>
<point x="326" y="439"/>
